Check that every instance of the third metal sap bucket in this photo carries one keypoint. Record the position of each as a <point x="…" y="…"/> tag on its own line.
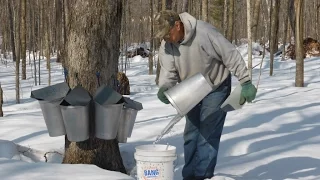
<point x="185" y="95"/>
<point x="107" y="118"/>
<point x="127" y="121"/>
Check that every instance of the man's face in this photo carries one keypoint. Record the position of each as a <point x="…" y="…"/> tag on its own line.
<point x="175" y="33"/>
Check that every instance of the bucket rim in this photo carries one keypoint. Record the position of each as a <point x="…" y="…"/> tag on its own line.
<point x="108" y="105"/>
<point x="142" y="158"/>
<point x="170" y="148"/>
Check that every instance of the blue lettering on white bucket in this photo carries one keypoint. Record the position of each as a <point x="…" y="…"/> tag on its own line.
<point x="151" y="173"/>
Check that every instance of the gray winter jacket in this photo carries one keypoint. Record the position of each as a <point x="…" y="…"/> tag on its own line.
<point x="203" y="50"/>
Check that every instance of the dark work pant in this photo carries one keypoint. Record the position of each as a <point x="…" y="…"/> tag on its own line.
<point x="204" y="124"/>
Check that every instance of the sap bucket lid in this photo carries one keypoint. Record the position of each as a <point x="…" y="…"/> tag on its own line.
<point x="129" y="103"/>
<point x="106" y="95"/>
<point x="233" y="101"/>
<point x="51" y="93"/>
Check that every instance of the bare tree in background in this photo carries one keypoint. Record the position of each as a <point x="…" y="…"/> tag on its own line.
<point x="249" y="38"/>
<point x="151" y="40"/>
<point x="205" y="10"/>
<point x="1" y="101"/>
<point x="185" y="6"/>
<point x="299" y="43"/>
<point x="23" y="34"/>
<point x="15" y="50"/>
<point x="285" y="29"/>
<point x="274" y="32"/>
<point x="255" y="22"/>
<point x="230" y="20"/>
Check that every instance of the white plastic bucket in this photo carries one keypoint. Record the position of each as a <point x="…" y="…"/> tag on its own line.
<point x="154" y="162"/>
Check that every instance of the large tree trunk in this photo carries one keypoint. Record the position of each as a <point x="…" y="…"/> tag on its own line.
<point x="93" y="35"/>
<point x="23" y="38"/>
<point x="299" y="43"/>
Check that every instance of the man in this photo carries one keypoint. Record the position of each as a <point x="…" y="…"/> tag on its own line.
<point x="190" y="46"/>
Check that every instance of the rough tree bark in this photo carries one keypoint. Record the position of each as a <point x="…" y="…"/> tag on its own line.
<point x="205" y="10"/>
<point x="249" y="38"/>
<point x="230" y="20"/>
<point x="184" y="6"/>
<point x="255" y="22"/>
<point x="1" y="101"/>
<point x="93" y="35"/>
<point x="23" y="34"/>
<point x="299" y="43"/>
<point x="151" y="40"/>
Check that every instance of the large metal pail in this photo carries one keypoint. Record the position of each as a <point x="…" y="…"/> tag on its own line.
<point x="127" y="121"/>
<point x="75" y="110"/>
<point x="49" y="99"/>
<point x="187" y="94"/>
<point x="107" y="119"/>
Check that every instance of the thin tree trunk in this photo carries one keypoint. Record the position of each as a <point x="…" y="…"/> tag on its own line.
<point x="11" y="24"/>
<point x="230" y="20"/>
<point x="1" y="101"/>
<point x="285" y="30"/>
<point x="83" y="63"/>
<point x="23" y="37"/>
<point x="225" y="17"/>
<point x="249" y="38"/>
<point x="40" y="40"/>
<point x="291" y="14"/>
<point x="33" y="42"/>
<point x="185" y="6"/>
<point x="299" y="43"/>
<point x="58" y="10"/>
<point x="151" y="40"/>
<point x="205" y="10"/>
<point x="47" y="33"/>
<point x="256" y="16"/>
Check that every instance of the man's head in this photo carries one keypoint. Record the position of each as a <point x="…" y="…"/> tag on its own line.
<point x="169" y="26"/>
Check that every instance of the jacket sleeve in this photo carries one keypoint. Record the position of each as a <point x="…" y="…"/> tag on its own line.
<point x="230" y="56"/>
<point x="168" y="74"/>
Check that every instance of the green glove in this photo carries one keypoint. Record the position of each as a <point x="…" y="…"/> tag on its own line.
<point x="161" y="95"/>
<point x="248" y="92"/>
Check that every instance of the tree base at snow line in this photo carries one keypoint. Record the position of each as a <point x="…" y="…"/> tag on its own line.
<point x="124" y="86"/>
<point x="103" y="153"/>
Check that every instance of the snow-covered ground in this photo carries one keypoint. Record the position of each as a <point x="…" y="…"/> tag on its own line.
<point x="276" y="137"/>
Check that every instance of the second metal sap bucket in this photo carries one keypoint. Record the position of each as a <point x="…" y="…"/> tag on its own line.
<point x="185" y="95"/>
<point x="107" y="119"/>
<point x="49" y="99"/>
<point x="75" y="110"/>
<point x="127" y="121"/>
